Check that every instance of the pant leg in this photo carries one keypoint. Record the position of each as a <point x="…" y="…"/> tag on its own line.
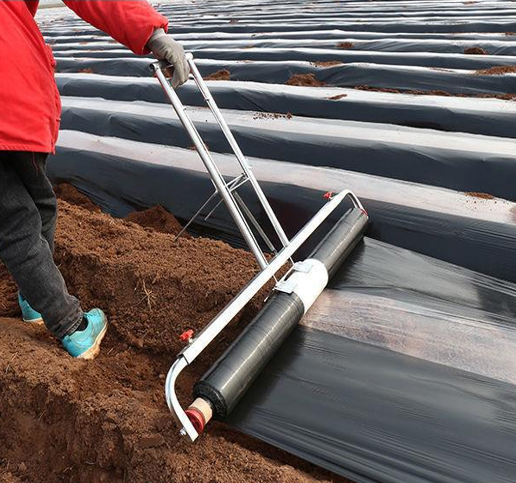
<point x="40" y="190"/>
<point x="23" y="249"/>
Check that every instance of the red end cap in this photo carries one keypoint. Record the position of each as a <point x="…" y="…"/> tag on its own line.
<point x="328" y="195"/>
<point x="196" y="418"/>
<point x="186" y="336"/>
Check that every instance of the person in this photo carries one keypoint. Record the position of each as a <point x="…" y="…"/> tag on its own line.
<point x="29" y="126"/>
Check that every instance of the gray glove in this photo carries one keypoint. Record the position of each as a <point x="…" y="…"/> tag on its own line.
<point x="164" y="47"/>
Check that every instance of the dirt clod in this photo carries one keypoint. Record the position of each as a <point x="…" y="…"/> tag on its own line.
<point x="157" y="218"/>
<point x="498" y="70"/>
<point x="476" y="194"/>
<point x="222" y="74"/>
<point x="87" y="70"/>
<point x="305" y="80"/>
<point x="72" y="195"/>
<point x="345" y="45"/>
<point x="337" y="97"/>
<point x="475" y="51"/>
<point x="327" y="63"/>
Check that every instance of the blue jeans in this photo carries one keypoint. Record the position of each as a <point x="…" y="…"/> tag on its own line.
<point x="28" y="214"/>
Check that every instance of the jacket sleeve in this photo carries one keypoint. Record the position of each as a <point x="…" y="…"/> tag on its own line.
<point x="130" y="22"/>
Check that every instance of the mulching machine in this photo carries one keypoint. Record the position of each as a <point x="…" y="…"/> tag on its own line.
<point x="220" y="389"/>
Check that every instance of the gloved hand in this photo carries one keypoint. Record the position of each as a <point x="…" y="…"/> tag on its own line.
<point x="164" y="47"/>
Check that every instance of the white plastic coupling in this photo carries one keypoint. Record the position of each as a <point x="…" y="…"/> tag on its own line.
<point x="307" y="280"/>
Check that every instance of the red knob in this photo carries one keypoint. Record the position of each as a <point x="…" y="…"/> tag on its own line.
<point x="186" y="336"/>
<point x="196" y="418"/>
<point x="328" y="195"/>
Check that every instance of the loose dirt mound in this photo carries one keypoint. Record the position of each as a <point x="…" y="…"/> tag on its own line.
<point x="327" y="63"/>
<point x="483" y="196"/>
<point x="223" y="74"/>
<point x="505" y="97"/>
<point x="337" y="97"/>
<point x="498" y="70"/>
<point x="106" y="420"/>
<point x="152" y="287"/>
<point x="305" y="80"/>
<point x="71" y="194"/>
<point x="475" y="51"/>
<point x="158" y="219"/>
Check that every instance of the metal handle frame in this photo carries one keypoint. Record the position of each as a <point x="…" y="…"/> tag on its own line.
<point x="221" y="186"/>
<point x="235" y="206"/>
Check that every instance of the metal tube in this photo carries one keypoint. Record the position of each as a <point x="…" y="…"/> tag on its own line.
<point x="254" y="222"/>
<point x="215" y="174"/>
<point x="236" y="148"/>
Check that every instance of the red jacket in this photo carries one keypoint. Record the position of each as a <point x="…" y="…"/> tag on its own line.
<point x="29" y="100"/>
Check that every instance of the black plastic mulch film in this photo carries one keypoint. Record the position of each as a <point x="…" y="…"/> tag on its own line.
<point x="487" y="244"/>
<point x="404" y="369"/>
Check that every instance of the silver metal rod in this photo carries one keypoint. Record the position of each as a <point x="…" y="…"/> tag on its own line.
<point x="196" y="214"/>
<point x="236" y="148"/>
<point x="231" y="187"/>
<point x="206" y="336"/>
<point x="254" y="222"/>
<point x="215" y="174"/>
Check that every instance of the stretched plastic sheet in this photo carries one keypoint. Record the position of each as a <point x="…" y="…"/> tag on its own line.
<point x="460" y="161"/>
<point x="403" y="77"/>
<point x="282" y="46"/>
<point x="479" y="116"/>
<point x="220" y="51"/>
<point x="476" y="233"/>
<point x="402" y="371"/>
<point x="59" y="36"/>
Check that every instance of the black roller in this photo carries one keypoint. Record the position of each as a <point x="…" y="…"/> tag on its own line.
<point x="341" y="240"/>
<point x="229" y="378"/>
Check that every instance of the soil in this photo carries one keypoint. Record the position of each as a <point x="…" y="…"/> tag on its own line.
<point x="157" y="218"/>
<point x="67" y="420"/>
<point x="272" y="115"/>
<point x="71" y="194"/>
<point x="483" y="196"/>
<point x="345" y="45"/>
<point x="327" y="63"/>
<point x="337" y="97"/>
<point x="505" y="97"/>
<point x="222" y="74"/>
<point x="498" y="70"/>
<point x="475" y="51"/>
<point x="87" y="70"/>
<point x="305" y="80"/>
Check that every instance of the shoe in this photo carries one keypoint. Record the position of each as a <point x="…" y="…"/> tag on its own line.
<point x="29" y="315"/>
<point x="85" y="344"/>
